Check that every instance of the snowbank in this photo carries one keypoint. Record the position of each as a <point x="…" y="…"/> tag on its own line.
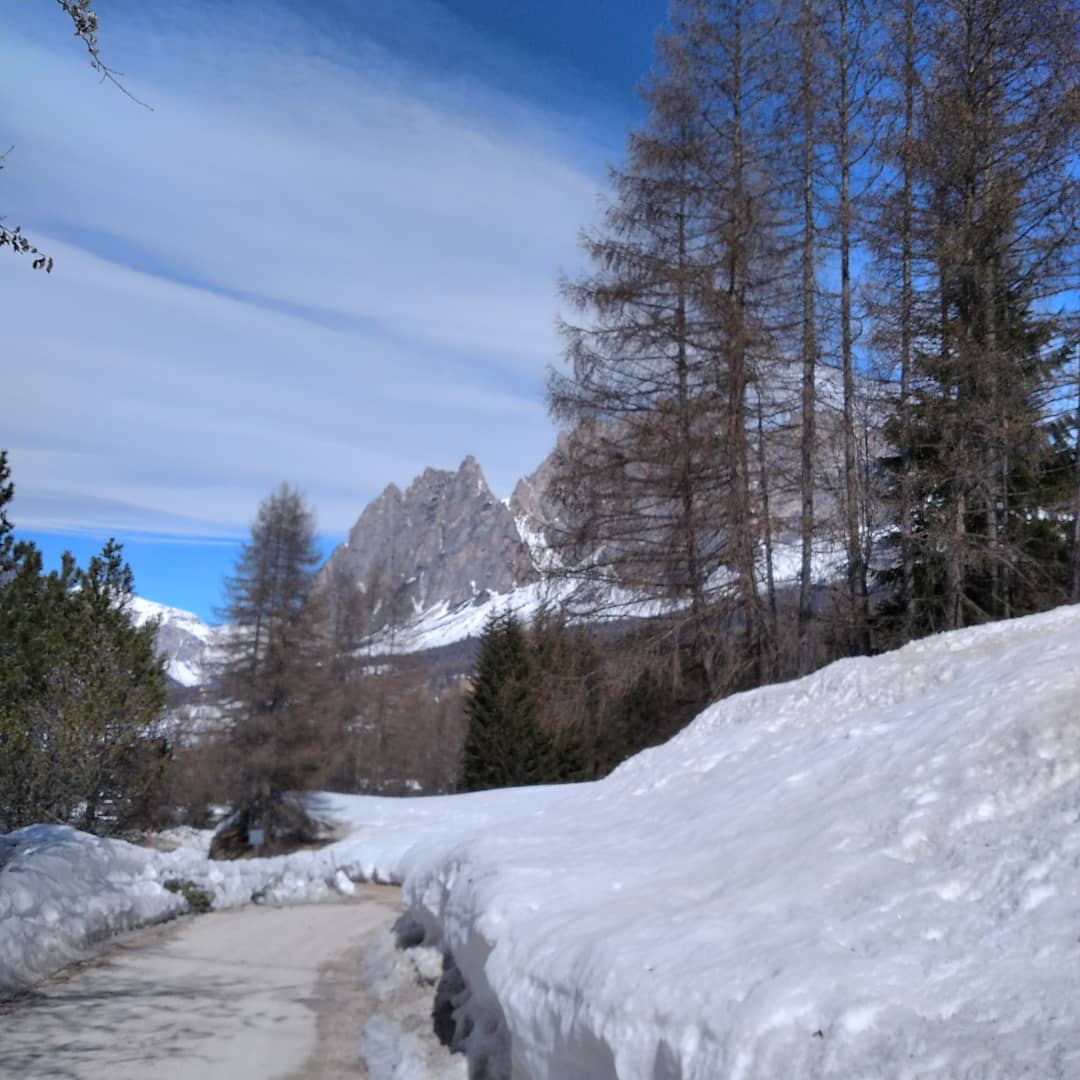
<point x="62" y="890"/>
<point x="871" y="872"/>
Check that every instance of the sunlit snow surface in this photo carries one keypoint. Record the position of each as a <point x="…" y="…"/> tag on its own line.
<point x="871" y="872"/>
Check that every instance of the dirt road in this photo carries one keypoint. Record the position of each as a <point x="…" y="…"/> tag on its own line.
<point x="236" y="995"/>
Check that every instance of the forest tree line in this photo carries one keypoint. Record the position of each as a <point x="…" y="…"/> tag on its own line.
<point x="823" y="379"/>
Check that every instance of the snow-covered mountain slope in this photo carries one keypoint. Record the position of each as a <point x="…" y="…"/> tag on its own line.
<point x="870" y="872"/>
<point x="187" y="643"/>
<point x="445" y="623"/>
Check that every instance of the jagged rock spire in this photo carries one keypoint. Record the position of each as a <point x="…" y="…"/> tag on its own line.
<point x="445" y="539"/>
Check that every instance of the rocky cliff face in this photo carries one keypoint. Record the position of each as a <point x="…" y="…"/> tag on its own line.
<point x="445" y="541"/>
<point x="536" y="513"/>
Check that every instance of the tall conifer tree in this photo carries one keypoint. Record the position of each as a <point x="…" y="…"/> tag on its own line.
<point x="996" y="193"/>
<point x="274" y="651"/>
<point x="505" y="745"/>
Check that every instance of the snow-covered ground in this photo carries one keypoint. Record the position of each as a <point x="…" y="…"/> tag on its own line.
<point x="870" y="872"/>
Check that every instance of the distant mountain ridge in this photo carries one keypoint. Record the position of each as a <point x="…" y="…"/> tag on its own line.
<point x="436" y="559"/>
<point x="446" y="550"/>
<point x="188" y="644"/>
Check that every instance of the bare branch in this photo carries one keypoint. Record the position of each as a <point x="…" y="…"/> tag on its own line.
<point x="85" y="21"/>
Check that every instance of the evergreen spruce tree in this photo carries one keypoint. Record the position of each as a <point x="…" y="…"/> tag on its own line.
<point x="118" y="693"/>
<point x="81" y="690"/>
<point x="993" y="195"/>
<point x="33" y="663"/>
<point x="505" y="745"/>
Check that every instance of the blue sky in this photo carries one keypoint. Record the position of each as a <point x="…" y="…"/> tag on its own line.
<point x="327" y="256"/>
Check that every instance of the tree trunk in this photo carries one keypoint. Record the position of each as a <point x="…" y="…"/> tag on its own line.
<point x="772" y="622"/>
<point x="739" y="376"/>
<point x="809" y="338"/>
<point x="856" y="565"/>
<point x="907" y="546"/>
<point x="1076" y="496"/>
<point x="689" y="523"/>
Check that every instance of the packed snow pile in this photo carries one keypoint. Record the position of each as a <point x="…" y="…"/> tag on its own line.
<point x="402" y="983"/>
<point x="62" y="890"/>
<point x="871" y="872"/>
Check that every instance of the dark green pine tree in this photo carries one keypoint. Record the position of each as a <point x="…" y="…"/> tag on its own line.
<point x="7" y="542"/>
<point x="116" y="694"/>
<point x="505" y="745"/>
<point x="81" y="690"/>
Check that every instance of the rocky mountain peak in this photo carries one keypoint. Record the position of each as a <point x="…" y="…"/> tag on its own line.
<point x="445" y="540"/>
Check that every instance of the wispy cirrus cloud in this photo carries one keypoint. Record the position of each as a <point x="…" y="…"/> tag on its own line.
<point x="318" y="259"/>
